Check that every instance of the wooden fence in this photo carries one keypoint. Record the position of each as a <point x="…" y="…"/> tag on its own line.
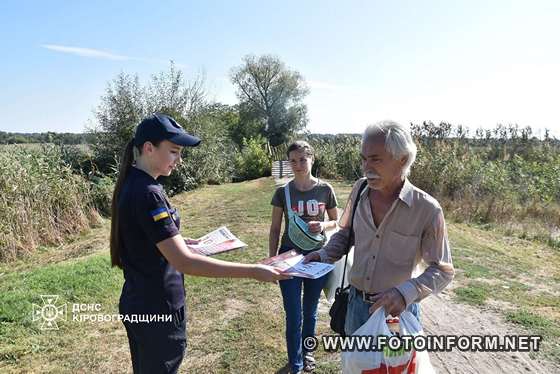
<point x="281" y="169"/>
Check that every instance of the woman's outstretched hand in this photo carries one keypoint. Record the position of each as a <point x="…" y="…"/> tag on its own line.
<point x="265" y="273"/>
<point x="189" y="241"/>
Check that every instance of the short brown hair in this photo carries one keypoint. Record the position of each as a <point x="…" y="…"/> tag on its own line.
<point x="301" y="145"/>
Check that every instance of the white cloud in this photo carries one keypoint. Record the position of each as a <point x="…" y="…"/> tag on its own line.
<point x="97" y="53"/>
<point x="85" y="52"/>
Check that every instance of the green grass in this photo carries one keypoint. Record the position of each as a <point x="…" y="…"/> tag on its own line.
<point x="88" y="280"/>
<point x="513" y="276"/>
<point x="530" y="320"/>
<point x="548" y="328"/>
<point x="470" y="269"/>
<point x="474" y="293"/>
<point x="236" y="325"/>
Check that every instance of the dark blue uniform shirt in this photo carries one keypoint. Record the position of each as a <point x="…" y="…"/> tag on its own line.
<point x="151" y="284"/>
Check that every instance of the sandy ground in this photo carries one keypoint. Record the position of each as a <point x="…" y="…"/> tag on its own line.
<point x="440" y="316"/>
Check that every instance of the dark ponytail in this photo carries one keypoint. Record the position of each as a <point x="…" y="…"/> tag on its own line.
<point x="126" y="164"/>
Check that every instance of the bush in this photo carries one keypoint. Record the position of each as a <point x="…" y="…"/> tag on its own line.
<point x="101" y="190"/>
<point x="348" y="160"/>
<point x="80" y="158"/>
<point x="211" y="162"/>
<point x="253" y="161"/>
<point x="325" y="158"/>
<point x="337" y="156"/>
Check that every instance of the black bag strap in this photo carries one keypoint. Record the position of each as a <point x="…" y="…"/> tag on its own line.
<point x="351" y="233"/>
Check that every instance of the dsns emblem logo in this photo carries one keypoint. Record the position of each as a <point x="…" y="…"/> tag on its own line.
<point x="49" y="312"/>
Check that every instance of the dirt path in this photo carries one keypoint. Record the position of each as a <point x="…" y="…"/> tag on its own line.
<point x="441" y="316"/>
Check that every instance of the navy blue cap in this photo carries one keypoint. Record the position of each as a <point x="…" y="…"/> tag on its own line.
<point x="157" y="127"/>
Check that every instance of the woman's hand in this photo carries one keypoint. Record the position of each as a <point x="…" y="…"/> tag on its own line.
<point x="189" y="241"/>
<point x="315" y="226"/>
<point x="265" y="273"/>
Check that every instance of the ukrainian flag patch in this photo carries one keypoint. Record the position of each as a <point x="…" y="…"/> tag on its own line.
<point x="159" y="214"/>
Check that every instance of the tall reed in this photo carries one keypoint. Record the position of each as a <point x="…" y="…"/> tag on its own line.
<point x="41" y="200"/>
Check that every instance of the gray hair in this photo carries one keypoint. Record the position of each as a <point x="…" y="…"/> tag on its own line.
<point x="398" y="141"/>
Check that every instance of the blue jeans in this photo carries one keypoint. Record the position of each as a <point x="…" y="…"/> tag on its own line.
<point x="358" y="312"/>
<point x="298" y="328"/>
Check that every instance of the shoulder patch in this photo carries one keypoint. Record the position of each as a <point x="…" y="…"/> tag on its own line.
<point x="159" y="214"/>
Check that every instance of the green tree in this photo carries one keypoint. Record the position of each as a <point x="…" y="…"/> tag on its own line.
<point x="120" y="110"/>
<point x="170" y="92"/>
<point x="127" y="101"/>
<point x="273" y="95"/>
<point x="243" y="124"/>
<point x="209" y="163"/>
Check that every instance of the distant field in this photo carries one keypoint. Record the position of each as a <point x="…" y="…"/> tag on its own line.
<point x="84" y="147"/>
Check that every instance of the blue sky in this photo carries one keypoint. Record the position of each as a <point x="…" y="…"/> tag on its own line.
<point x="477" y="63"/>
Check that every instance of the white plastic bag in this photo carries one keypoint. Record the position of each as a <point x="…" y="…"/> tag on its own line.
<point x="401" y="362"/>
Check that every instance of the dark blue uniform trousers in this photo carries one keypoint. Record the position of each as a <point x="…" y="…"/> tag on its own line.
<point x="157" y="347"/>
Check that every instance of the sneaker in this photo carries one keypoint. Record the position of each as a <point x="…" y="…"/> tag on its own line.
<point x="308" y="362"/>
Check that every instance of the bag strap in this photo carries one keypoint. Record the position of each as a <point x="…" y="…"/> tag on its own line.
<point x="362" y="187"/>
<point x="288" y="200"/>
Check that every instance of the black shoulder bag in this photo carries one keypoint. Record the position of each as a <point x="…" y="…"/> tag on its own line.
<point x="340" y="305"/>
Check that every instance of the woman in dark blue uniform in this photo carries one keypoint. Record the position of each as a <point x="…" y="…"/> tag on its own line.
<point x="147" y="245"/>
